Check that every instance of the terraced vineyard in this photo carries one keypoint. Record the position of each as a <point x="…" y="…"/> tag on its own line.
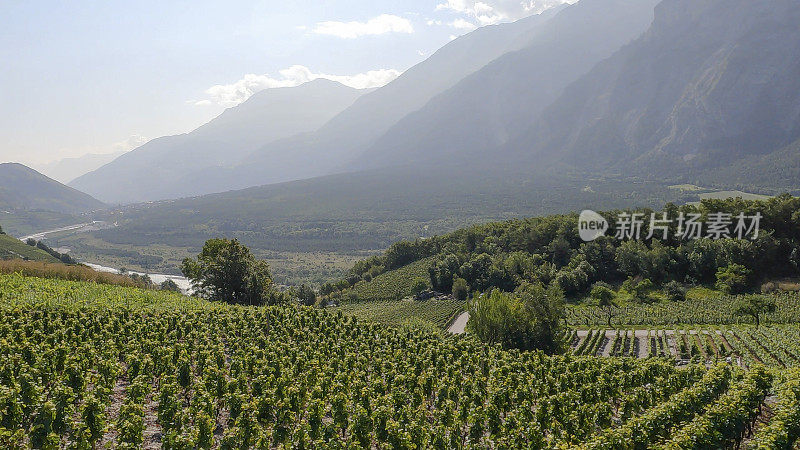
<point x="711" y="310"/>
<point x="393" y="285"/>
<point x="91" y="366"/>
<point x="777" y="346"/>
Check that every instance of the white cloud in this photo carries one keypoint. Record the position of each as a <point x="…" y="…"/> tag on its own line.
<point x="489" y="12"/>
<point x="235" y="93"/>
<point x="461" y="24"/>
<point x="385" y="23"/>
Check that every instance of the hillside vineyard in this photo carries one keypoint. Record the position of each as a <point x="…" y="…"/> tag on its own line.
<point x="90" y="365"/>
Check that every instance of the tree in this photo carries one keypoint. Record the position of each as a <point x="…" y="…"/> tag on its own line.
<point x="418" y="285"/>
<point x="604" y="297"/>
<point x="675" y="291"/>
<point x="460" y="289"/>
<point x="732" y="279"/>
<point x="305" y="295"/>
<point x="226" y="271"/>
<point x="530" y="318"/>
<point x="170" y="285"/>
<point x="755" y="306"/>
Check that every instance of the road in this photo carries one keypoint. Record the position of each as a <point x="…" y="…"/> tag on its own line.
<point x="460" y="324"/>
<point x="89" y="226"/>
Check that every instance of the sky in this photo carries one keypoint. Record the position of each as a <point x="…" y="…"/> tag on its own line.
<point x="105" y="76"/>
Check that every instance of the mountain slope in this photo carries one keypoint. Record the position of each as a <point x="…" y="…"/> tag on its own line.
<point x="351" y="132"/>
<point x="711" y="83"/>
<point x="67" y="169"/>
<point x="487" y="108"/>
<point x="13" y="248"/>
<point x="22" y="188"/>
<point x="159" y="168"/>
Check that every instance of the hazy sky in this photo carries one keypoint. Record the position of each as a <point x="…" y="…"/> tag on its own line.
<point x="102" y="76"/>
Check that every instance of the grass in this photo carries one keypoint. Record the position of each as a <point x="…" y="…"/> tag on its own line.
<point x="13" y="248"/>
<point x="59" y="271"/>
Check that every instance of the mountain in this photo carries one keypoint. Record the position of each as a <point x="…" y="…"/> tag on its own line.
<point x="163" y="168"/>
<point x="22" y="188"/>
<point x="487" y="108"/>
<point x="330" y="148"/>
<point x="712" y="88"/>
<point x="67" y="169"/>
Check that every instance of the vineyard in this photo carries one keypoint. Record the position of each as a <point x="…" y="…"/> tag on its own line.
<point x="93" y="366"/>
<point x="777" y="346"/>
<point x="707" y="310"/>
<point x="398" y="312"/>
<point x="392" y="285"/>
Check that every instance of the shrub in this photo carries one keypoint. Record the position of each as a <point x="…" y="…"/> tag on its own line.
<point x="418" y="286"/>
<point x="732" y="279"/>
<point x="528" y="319"/>
<point x="460" y="289"/>
<point x="675" y="291"/>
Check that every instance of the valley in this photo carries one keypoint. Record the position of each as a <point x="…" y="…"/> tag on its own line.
<point x="453" y="225"/>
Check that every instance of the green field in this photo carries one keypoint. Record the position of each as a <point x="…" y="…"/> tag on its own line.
<point x="102" y="366"/>
<point x="13" y="248"/>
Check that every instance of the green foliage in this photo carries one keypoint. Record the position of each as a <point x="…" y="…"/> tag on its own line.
<point x="226" y="271"/>
<point x="732" y="279"/>
<point x="460" y="289"/>
<point x="603" y="295"/>
<point x="675" y="291"/>
<point x="755" y="306"/>
<point x="392" y="285"/>
<point x="305" y="295"/>
<point x="528" y="319"/>
<point x="703" y="309"/>
<point x="504" y="255"/>
<point x="783" y="431"/>
<point x="12" y="248"/>
<point x="169" y="285"/>
<point x="288" y="375"/>
<point x="400" y="312"/>
<point x="418" y="285"/>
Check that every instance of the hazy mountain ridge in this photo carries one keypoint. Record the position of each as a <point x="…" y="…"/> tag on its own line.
<point x="67" y="169"/>
<point x="491" y="106"/>
<point x="330" y="148"/>
<point x="22" y="188"/>
<point x="164" y="167"/>
<point x="711" y="82"/>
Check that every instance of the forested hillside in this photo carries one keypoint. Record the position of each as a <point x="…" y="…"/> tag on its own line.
<point x="548" y="249"/>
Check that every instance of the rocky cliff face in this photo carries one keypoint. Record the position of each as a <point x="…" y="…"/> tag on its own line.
<point x="711" y="82"/>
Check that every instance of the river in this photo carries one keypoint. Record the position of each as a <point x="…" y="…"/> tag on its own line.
<point x="157" y="278"/>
